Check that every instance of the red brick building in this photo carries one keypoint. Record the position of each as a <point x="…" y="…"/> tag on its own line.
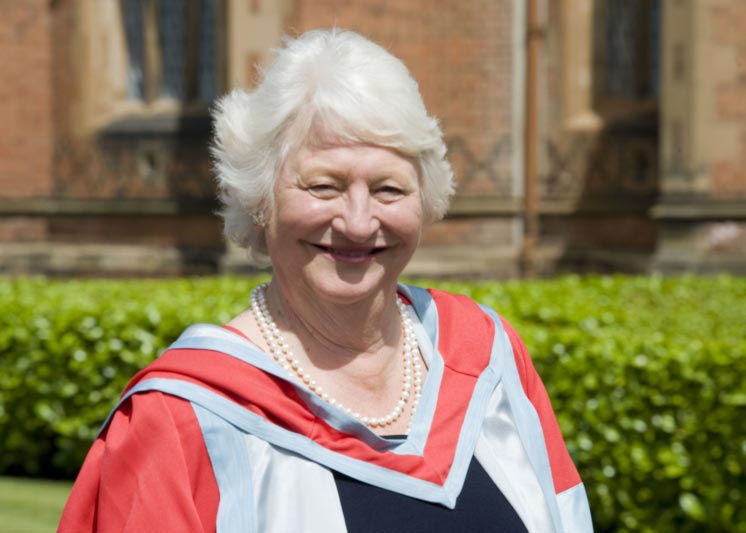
<point x="637" y="130"/>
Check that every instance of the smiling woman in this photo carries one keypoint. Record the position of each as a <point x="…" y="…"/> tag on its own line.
<point x="323" y="89"/>
<point x="339" y="400"/>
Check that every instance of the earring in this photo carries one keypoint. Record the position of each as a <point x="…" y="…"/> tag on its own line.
<point x="258" y="219"/>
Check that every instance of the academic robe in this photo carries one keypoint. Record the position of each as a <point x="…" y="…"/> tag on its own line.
<point x="214" y="435"/>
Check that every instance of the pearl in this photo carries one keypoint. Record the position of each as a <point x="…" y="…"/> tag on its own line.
<point x="280" y="352"/>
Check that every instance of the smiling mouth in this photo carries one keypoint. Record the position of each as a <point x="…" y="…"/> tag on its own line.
<point x="350" y="254"/>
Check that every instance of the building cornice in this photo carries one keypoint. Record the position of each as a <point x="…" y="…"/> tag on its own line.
<point x="104" y="206"/>
<point x="700" y="209"/>
<point x="485" y="206"/>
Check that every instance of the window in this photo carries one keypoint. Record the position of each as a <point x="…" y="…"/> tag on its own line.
<point x="172" y="49"/>
<point x="627" y="57"/>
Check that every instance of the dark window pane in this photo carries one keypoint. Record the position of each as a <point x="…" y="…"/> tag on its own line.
<point x="655" y="47"/>
<point x="632" y="55"/>
<point x="621" y="37"/>
<point x="172" y="37"/>
<point x="133" y="30"/>
<point x="207" y="50"/>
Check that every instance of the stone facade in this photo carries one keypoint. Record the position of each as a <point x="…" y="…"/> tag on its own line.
<point x="640" y="141"/>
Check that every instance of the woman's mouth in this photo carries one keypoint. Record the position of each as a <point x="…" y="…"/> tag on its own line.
<point x="351" y="254"/>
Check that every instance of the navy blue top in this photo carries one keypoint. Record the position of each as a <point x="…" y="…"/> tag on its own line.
<point x="481" y="506"/>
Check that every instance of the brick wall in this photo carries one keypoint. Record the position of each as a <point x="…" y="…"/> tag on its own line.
<point x="728" y="177"/>
<point x="46" y="152"/>
<point x="25" y="99"/>
<point x="461" y="53"/>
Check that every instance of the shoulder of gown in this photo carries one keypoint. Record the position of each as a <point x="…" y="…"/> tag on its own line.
<point x="148" y="471"/>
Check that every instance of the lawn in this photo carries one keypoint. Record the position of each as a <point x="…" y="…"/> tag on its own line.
<point x="31" y="505"/>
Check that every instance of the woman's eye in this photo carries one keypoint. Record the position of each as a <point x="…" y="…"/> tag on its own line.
<point x="389" y="192"/>
<point x="323" y="189"/>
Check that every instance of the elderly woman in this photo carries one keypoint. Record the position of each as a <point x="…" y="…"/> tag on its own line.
<point x="339" y="400"/>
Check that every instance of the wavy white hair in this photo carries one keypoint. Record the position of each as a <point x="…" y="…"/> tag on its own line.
<point x="325" y="85"/>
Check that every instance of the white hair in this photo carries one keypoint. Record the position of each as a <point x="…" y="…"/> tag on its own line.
<point x="324" y="85"/>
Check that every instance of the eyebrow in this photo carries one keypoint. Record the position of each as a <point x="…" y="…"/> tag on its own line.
<point x="317" y="169"/>
<point x="329" y="170"/>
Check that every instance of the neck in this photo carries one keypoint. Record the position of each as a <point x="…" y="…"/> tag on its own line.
<point x="334" y="333"/>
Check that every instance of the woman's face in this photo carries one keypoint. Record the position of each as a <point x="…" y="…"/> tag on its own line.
<point x="346" y="221"/>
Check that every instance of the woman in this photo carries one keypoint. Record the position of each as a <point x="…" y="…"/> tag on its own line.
<point x="339" y="400"/>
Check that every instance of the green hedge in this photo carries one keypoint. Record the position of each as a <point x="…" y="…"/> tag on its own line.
<point x="647" y="375"/>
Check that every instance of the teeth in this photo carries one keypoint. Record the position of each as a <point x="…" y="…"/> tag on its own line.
<point x="350" y="253"/>
<point x="359" y="252"/>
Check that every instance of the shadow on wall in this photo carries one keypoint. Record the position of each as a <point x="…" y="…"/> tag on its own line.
<point x="613" y="177"/>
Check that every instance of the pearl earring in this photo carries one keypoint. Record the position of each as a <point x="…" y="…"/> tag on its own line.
<point x="258" y="219"/>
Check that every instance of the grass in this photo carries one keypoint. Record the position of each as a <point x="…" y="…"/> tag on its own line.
<point x="31" y="505"/>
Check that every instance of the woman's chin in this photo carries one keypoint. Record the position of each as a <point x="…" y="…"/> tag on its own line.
<point x="344" y="286"/>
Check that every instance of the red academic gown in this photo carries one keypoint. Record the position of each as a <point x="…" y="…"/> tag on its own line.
<point x="149" y="469"/>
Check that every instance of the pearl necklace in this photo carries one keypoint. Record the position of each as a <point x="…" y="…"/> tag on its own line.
<point x="280" y="351"/>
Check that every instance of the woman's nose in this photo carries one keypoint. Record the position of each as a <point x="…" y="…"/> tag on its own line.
<point x="357" y="220"/>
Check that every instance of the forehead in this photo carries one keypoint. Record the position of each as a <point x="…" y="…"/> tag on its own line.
<point x="352" y="159"/>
